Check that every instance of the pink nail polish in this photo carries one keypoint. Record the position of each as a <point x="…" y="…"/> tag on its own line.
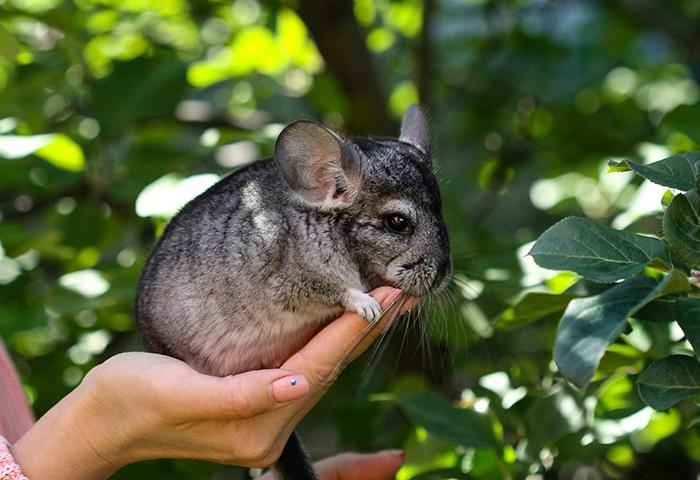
<point x="290" y="388"/>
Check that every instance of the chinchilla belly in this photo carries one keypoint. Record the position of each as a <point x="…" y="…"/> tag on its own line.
<point x="225" y="334"/>
<point x="236" y="350"/>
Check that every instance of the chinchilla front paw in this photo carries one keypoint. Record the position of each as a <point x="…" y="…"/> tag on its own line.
<point x="363" y="304"/>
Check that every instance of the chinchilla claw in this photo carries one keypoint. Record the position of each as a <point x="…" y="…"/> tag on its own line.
<point x="364" y="305"/>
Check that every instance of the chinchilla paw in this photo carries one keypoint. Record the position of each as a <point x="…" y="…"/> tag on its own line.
<point x="363" y="304"/>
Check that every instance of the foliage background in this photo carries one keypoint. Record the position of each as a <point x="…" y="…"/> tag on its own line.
<point x="112" y="112"/>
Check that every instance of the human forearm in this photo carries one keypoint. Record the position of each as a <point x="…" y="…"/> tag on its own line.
<point x="72" y="440"/>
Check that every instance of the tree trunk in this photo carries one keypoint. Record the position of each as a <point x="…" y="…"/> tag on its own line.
<point x="341" y="41"/>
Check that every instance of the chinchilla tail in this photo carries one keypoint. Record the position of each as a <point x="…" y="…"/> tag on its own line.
<point x="294" y="463"/>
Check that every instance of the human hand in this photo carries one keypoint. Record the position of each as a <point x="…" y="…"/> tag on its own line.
<point x="138" y="406"/>
<point x="358" y="466"/>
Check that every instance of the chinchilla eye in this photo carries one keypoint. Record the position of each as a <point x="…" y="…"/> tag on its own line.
<point x="396" y="222"/>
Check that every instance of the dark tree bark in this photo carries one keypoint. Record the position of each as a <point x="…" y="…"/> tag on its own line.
<point x="341" y="41"/>
<point x="423" y="55"/>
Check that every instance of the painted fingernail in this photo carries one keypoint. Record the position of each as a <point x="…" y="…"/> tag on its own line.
<point x="290" y="388"/>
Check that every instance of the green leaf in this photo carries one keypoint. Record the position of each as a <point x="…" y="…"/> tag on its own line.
<point x="676" y="172"/>
<point x="669" y="380"/>
<point x="63" y="153"/>
<point x="676" y="281"/>
<point x="688" y="317"/>
<point x="682" y="230"/>
<point x="16" y="146"/>
<point x="590" y="324"/>
<point x="551" y="418"/>
<point x="140" y="89"/>
<point x="459" y="426"/>
<point x="533" y="306"/>
<point x="9" y="46"/>
<point x="618" y="398"/>
<point x="619" y="356"/>
<point x="55" y="148"/>
<point x="593" y="251"/>
<point x="662" y="310"/>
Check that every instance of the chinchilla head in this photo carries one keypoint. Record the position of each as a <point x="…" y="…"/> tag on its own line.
<point x="382" y="193"/>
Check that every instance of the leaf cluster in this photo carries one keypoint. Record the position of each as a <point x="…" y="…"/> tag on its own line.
<point x="648" y="278"/>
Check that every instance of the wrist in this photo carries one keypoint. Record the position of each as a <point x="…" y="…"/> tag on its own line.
<point x="9" y="470"/>
<point x="78" y="439"/>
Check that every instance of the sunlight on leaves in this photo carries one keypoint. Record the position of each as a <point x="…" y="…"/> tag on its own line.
<point x="404" y="16"/>
<point x="403" y="96"/>
<point x="64" y="153"/>
<point x="609" y="431"/>
<point x="55" y="148"/>
<point x="365" y="11"/>
<point x="35" y="6"/>
<point x="661" y="425"/>
<point x="164" y="197"/>
<point x="15" y="146"/>
<point x="460" y="426"/>
<point x="88" y="283"/>
<point x="677" y="171"/>
<point x="380" y="39"/>
<point x="258" y="48"/>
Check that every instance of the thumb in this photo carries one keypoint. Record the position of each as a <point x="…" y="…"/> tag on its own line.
<point x="325" y="355"/>
<point x="355" y="466"/>
<point x="246" y="394"/>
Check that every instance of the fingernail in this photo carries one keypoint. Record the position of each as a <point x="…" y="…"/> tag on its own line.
<point x="399" y="454"/>
<point x="290" y="388"/>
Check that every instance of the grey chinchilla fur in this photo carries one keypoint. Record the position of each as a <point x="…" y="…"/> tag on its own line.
<point x="252" y="268"/>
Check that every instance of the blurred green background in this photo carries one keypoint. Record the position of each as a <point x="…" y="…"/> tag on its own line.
<point x="113" y="113"/>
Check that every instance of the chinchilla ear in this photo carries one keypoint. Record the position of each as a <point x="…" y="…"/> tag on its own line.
<point x="414" y="129"/>
<point x="318" y="165"/>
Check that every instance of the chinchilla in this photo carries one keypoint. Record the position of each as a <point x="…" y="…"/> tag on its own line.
<point x="246" y="273"/>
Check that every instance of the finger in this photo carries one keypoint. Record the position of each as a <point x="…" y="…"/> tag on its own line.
<point x="244" y="395"/>
<point x="327" y="353"/>
<point x="394" y="308"/>
<point x="355" y="466"/>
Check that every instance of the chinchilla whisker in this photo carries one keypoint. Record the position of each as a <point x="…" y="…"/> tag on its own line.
<point x="406" y="328"/>
<point x="457" y="302"/>
<point x="410" y="320"/>
<point x="394" y="309"/>
<point x="420" y="324"/>
<point x="452" y="304"/>
<point x="382" y="342"/>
